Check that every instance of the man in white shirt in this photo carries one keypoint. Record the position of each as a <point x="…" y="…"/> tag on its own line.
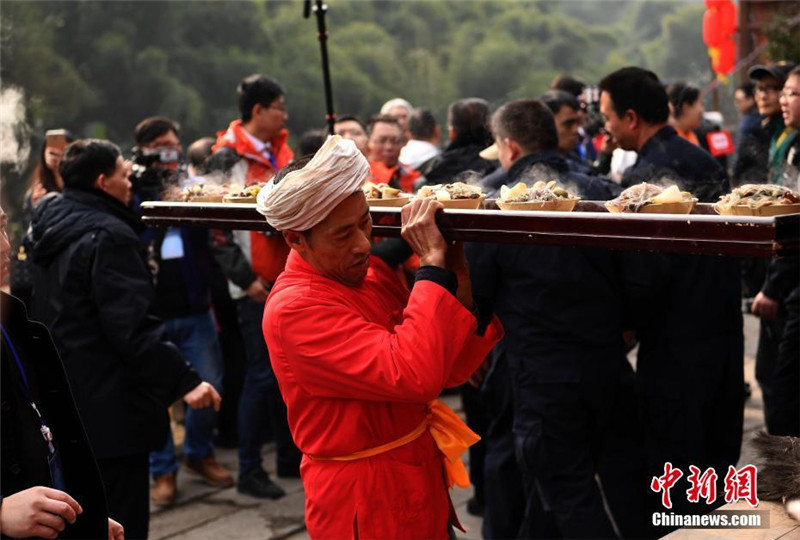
<point x="426" y="139"/>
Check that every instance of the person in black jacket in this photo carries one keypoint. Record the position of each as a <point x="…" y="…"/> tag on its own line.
<point x="181" y="264"/>
<point x="93" y="291"/>
<point x="468" y="131"/>
<point x="748" y="129"/>
<point x="562" y="311"/>
<point x="778" y="302"/>
<point x="686" y="309"/>
<point x="635" y="107"/>
<point x="49" y="487"/>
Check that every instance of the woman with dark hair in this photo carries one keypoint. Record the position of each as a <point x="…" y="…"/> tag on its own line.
<point x="686" y="110"/>
<point x="45" y="179"/>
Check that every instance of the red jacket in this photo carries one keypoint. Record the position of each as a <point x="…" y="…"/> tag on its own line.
<point x="266" y="254"/>
<point x="259" y="168"/>
<point x="400" y="176"/>
<point x="356" y="366"/>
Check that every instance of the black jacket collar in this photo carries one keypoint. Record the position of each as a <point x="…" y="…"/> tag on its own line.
<point x="104" y="202"/>
<point x="549" y="158"/>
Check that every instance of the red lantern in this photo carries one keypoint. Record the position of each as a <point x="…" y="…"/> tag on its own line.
<point x="726" y="18"/>
<point x="727" y="57"/>
<point x="713" y="4"/>
<point x="719" y="22"/>
<point x="712" y="33"/>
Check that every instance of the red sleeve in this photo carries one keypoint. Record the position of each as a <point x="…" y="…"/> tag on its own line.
<point x="329" y="350"/>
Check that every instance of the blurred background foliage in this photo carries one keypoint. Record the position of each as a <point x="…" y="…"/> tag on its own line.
<point x="99" y="67"/>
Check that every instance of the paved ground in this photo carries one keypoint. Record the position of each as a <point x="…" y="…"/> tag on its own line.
<point x="203" y="512"/>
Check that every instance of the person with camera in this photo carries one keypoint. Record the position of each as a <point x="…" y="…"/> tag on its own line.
<point x="94" y="292"/>
<point x="181" y="265"/>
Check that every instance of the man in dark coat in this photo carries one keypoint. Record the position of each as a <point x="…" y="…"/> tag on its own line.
<point x="93" y="290"/>
<point x="564" y="354"/>
<point x="181" y="264"/>
<point x="685" y="308"/>
<point x="50" y="481"/>
<point x="467" y="129"/>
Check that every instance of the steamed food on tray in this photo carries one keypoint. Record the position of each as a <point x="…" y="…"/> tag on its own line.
<point x="384" y="195"/>
<point x="245" y="195"/>
<point x="203" y="193"/>
<point x="759" y="200"/>
<point x="652" y="199"/>
<point x="455" y="195"/>
<point x="541" y="196"/>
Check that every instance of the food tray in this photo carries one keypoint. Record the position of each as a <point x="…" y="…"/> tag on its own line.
<point x="400" y="200"/>
<point x="556" y="205"/>
<point x="238" y="200"/>
<point x="589" y="225"/>
<point x="684" y="207"/>
<point x="205" y="199"/>
<point x="761" y="211"/>
<point x="464" y="204"/>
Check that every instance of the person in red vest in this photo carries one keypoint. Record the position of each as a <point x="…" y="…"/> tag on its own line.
<point x="386" y="139"/>
<point x="361" y="360"/>
<point x="251" y="151"/>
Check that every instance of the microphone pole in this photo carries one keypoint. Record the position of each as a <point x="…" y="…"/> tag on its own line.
<point x="322" y="34"/>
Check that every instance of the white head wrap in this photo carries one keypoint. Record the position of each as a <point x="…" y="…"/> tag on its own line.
<point x="306" y="196"/>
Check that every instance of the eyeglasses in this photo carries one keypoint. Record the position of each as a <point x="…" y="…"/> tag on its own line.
<point x="768" y="89"/>
<point x="788" y="94"/>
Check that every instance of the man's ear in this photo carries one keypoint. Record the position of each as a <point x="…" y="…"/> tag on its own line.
<point x="256" y="110"/>
<point x="514" y="149"/>
<point x="100" y="182"/>
<point x="295" y="240"/>
<point x="632" y="118"/>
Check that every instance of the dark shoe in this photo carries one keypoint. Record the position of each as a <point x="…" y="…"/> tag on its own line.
<point x="164" y="490"/>
<point x="256" y="483"/>
<point x="475" y="507"/>
<point x="212" y="472"/>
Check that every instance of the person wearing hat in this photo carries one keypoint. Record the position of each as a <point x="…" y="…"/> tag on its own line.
<point x="361" y="360"/>
<point x="759" y="276"/>
<point x="777" y="304"/>
<point x="760" y="154"/>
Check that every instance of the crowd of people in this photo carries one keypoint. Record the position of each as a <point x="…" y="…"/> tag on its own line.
<point x="308" y="336"/>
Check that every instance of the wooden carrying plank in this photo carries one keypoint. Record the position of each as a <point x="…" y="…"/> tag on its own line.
<point x="701" y="232"/>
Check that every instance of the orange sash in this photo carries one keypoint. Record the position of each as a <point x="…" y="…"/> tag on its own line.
<point x="451" y="434"/>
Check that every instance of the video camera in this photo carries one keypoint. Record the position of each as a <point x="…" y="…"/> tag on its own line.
<point x="153" y="169"/>
<point x="590" y="101"/>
